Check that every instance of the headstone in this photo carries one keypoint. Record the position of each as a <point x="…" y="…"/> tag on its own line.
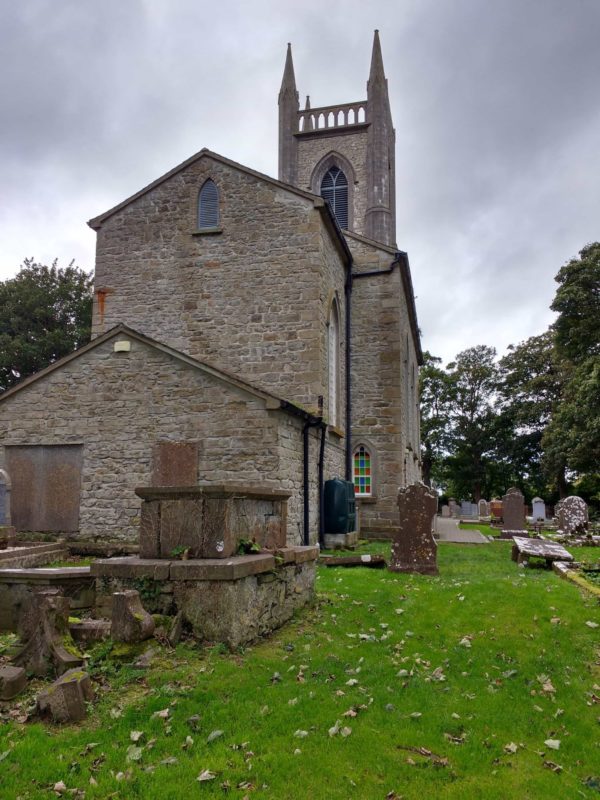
<point x="573" y="516"/>
<point x="66" y="699"/>
<point x="12" y="681"/>
<point x="454" y="508"/>
<point x="513" y="510"/>
<point x="483" y="508"/>
<point x="538" y="509"/>
<point x="43" y="628"/>
<point x="445" y="511"/>
<point x="496" y="508"/>
<point x="413" y="547"/>
<point x="130" y="621"/>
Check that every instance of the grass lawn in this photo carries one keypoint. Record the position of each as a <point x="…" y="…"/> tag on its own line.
<point x="448" y="687"/>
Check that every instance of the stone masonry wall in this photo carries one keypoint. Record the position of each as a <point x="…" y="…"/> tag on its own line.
<point x="120" y="404"/>
<point x="247" y="299"/>
<point x="352" y="146"/>
<point x="385" y="401"/>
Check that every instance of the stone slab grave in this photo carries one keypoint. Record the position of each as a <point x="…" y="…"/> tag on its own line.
<point x="188" y="562"/>
<point x="573" y="516"/>
<point x="414" y="548"/>
<point x="210" y="521"/>
<point x="17" y="585"/>
<point x="513" y="511"/>
<point x="43" y="628"/>
<point x="365" y="560"/>
<point x="523" y="549"/>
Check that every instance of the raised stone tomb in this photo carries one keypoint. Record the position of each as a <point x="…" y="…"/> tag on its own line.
<point x="188" y="564"/>
<point x="18" y="585"/>
<point x="210" y="521"/>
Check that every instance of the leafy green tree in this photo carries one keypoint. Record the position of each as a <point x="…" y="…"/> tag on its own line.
<point x="472" y="382"/>
<point x="531" y="376"/>
<point x="571" y="440"/>
<point x="577" y="302"/>
<point x="45" y="313"/>
<point x="434" y="391"/>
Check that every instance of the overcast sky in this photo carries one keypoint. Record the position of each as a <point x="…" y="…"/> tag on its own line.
<point x="496" y="107"/>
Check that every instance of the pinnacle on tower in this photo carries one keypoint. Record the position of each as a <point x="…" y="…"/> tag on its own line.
<point x="376" y="73"/>
<point x="288" y="82"/>
<point x="289" y="106"/>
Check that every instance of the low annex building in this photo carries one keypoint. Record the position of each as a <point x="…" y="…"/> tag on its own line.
<point x="246" y="330"/>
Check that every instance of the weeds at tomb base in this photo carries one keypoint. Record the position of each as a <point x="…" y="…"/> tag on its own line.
<point x="482" y="682"/>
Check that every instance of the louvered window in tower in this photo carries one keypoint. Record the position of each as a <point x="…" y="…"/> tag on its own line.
<point x="334" y="189"/>
<point x="208" y="206"/>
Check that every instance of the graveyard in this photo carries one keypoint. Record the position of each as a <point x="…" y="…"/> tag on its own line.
<point x="480" y="681"/>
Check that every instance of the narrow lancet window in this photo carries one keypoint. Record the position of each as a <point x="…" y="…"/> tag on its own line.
<point x="208" y="206"/>
<point x="334" y="189"/>
<point x="363" y="479"/>
<point x="334" y="363"/>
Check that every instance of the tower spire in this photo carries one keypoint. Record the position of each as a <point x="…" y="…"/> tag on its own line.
<point x="376" y="73"/>
<point x="289" y="106"/>
<point x="288" y="83"/>
<point x="380" y="216"/>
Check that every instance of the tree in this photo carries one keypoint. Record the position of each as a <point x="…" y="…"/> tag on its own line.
<point x="572" y="438"/>
<point x="434" y="391"/>
<point x="45" y="313"/>
<point x="531" y="377"/>
<point x="472" y="382"/>
<point x="577" y="302"/>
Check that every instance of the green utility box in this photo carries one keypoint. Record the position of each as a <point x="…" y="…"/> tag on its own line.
<point x="340" y="506"/>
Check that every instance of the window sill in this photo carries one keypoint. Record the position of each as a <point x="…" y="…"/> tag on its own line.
<point x="366" y="499"/>
<point x="207" y="231"/>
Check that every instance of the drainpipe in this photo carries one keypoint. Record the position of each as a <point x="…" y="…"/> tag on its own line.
<point x="348" y="293"/>
<point x="322" y="486"/>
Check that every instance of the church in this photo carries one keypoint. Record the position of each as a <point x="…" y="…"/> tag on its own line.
<point x="247" y="330"/>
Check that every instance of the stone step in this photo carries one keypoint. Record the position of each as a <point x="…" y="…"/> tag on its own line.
<point x="32" y="555"/>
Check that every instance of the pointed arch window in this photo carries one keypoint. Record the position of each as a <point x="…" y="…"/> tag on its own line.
<point x="208" y="205"/>
<point x="334" y="362"/>
<point x="363" y="472"/>
<point x="334" y="189"/>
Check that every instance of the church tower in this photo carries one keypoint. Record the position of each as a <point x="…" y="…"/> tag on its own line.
<point x="344" y="152"/>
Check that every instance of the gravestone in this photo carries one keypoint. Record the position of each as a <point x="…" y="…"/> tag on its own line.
<point x="483" y="508"/>
<point x="538" y="509"/>
<point x="454" y="508"/>
<point x="413" y="547"/>
<point x="573" y="516"/>
<point x="496" y="508"/>
<point x="445" y="511"/>
<point x="513" y="510"/>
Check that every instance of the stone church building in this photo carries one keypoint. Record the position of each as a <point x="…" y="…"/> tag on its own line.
<point x="246" y="330"/>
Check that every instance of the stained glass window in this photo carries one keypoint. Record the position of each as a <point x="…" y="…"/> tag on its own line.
<point x="363" y="480"/>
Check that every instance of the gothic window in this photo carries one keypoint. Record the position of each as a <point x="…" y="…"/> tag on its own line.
<point x="334" y="189"/>
<point x="333" y="349"/>
<point x="362" y="471"/>
<point x="208" y="206"/>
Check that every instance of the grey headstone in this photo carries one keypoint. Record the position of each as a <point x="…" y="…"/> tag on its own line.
<point x="513" y="510"/>
<point x="573" y="515"/>
<point x="413" y="547"/>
